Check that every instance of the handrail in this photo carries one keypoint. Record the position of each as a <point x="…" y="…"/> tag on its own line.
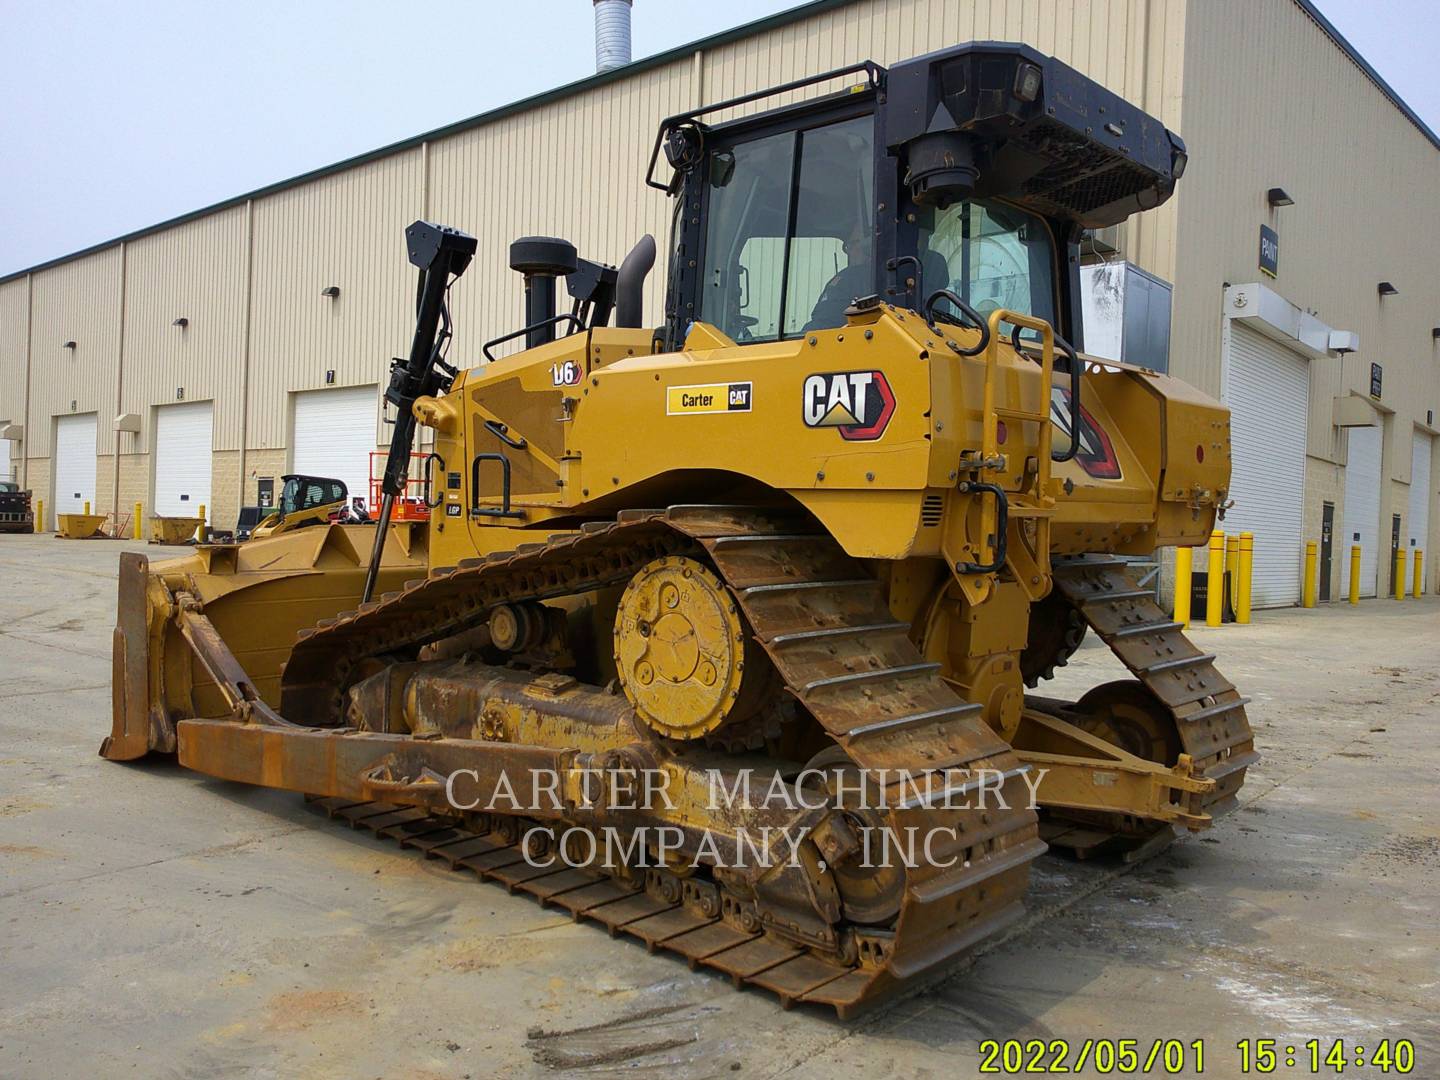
<point x="430" y="460"/>
<point x="874" y="74"/>
<point x="562" y="317"/>
<point x="1002" y="527"/>
<point x="1076" y="369"/>
<point x="931" y="313"/>
<point x="476" y="510"/>
<point x="990" y="439"/>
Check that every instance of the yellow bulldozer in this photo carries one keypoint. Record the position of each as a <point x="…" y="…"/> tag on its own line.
<point x="783" y="565"/>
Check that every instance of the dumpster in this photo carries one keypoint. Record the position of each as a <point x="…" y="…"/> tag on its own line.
<point x="80" y="526"/>
<point x="173" y="530"/>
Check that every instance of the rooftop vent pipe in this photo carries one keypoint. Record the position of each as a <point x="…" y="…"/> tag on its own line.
<point x="612" y="34"/>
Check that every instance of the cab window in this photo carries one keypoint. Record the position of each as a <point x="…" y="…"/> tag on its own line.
<point x="992" y="255"/>
<point x="790" y="231"/>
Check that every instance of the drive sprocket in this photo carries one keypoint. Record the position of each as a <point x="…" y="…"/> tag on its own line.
<point x="685" y="657"/>
<point x="1056" y="631"/>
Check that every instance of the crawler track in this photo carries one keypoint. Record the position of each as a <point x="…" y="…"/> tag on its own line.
<point x="1207" y="710"/>
<point x="824" y="621"/>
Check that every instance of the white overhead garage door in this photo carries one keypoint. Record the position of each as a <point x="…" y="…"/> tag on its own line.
<point x="1268" y="391"/>
<point x="1419" y="516"/>
<point x="182" y="459"/>
<point x="74" y="463"/>
<point x="1362" y="508"/>
<point x="6" y="473"/>
<point x="335" y="435"/>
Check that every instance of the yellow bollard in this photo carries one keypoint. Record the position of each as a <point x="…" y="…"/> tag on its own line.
<point x="1232" y="567"/>
<point x="1247" y="568"/>
<point x="1183" y="567"/>
<point x="39" y="515"/>
<point x="136" y="531"/>
<point x="1312" y="560"/>
<point x="87" y="507"/>
<point x="1419" y="577"/>
<point x="1215" y="579"/>
<point x="1354" y="573"/>
<point x="201" y="533"/>
<point x="1399" y="573"/>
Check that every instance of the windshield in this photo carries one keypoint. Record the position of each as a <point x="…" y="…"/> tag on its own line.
<point x="992" y="255"/>
<point x="790" y="232"/>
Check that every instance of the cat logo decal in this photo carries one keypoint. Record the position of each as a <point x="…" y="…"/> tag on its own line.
<point x="859" y="404"/>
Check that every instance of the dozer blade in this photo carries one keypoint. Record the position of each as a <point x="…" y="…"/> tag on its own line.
<point x="256" y="596"/>
<point x="130" y="736"/>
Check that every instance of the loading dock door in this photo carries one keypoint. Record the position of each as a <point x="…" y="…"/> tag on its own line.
<point x="1362" y="508"/>
<point x="182" y="459"/>
<point x="335" y="435"/>
<point x="1268" y="391"/>
<point x="1419" y="516"/>
<point x="6" y="473"/>
<point x="74" y="463"/>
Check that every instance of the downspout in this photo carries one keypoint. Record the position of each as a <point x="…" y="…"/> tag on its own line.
<point x="28" y="432"/>
<point x="119" y="398"/>
<point x="245" y="341"/>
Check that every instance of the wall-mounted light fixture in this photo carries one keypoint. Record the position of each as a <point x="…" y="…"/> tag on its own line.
<point x="181" y="322"/>
<point x="1277" y="196"/>
<point x="1435" y="332"/>
<point x="69" y="345"/>
<point x="1386" y="289"/>
<point x="330" y="292"/>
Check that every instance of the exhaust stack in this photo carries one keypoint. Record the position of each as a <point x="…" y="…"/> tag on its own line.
<point x="612" y="34"/>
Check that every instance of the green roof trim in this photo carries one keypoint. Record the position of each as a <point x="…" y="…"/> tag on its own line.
<point x="590" y="82"/>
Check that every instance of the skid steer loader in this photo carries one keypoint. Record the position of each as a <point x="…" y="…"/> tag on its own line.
<point x="810" y="538"/>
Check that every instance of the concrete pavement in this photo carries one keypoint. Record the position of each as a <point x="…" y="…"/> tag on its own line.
<point x="157" y="923"/>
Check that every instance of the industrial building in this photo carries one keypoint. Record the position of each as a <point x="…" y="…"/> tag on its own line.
<point x="196" y="361"/>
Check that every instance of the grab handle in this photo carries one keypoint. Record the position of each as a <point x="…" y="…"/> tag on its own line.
<point x="1002" y="522"/>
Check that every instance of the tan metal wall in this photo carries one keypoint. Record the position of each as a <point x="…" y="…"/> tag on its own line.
<point x="194" y="271"/>
<point x="14" y="340"/>
<point x="76" y="301"/>
<point x="1281" y="106"/>
<point x="571" y="168"/>
<point x="345" y="230"/>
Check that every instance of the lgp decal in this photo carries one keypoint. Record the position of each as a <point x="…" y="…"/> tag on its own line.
<point x="708" y="398"/>
<point x="1096" y="454"/>
<point x="858" y="403"/>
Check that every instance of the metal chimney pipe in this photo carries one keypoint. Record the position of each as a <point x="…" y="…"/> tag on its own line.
<point x="612" y="34"/>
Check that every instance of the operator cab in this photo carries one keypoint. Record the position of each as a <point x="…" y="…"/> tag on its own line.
<point x="309" y="493"/>
<point x="974" y="170"/>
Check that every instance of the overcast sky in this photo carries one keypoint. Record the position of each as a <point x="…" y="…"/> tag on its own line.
<point x="120" y="115"/>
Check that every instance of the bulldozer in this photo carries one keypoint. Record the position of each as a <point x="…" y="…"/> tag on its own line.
<point x="785" y="564"/>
